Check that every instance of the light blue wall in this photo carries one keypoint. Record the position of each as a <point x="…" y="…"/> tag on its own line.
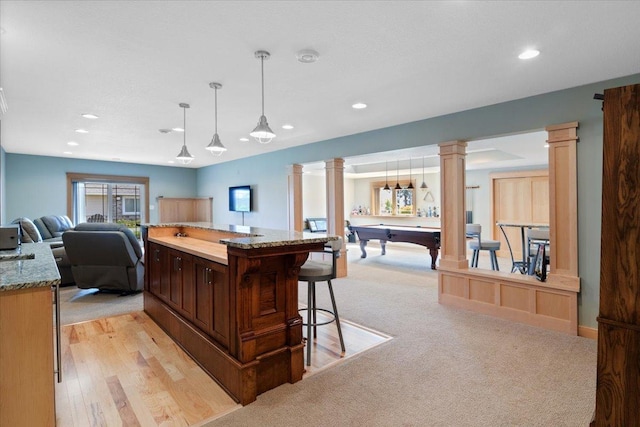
<point x="37" y="185"/>
<point x="268" y="172"/>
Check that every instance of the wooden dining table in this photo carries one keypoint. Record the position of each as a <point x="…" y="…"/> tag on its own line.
<point x="521" y="266"/>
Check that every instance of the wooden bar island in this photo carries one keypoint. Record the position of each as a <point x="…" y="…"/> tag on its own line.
<point x="228" y="295"/>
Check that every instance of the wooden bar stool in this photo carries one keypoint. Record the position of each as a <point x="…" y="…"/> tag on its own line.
<point x="313" y="271"/>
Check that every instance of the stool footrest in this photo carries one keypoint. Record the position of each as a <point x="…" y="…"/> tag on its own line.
<point x="333" y="318"/>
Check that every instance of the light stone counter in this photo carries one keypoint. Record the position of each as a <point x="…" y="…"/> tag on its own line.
<point x="253" y="237"/>
<point x="30" y="266"/>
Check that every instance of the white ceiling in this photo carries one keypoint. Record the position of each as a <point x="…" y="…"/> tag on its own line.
<point x="133" y="62"/>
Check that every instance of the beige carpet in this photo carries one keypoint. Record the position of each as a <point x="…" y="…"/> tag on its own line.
<point x="444" y="367"/>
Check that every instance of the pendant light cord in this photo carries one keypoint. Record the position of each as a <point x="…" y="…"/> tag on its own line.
<point x="184" y="126"/>
<point x="262" y="76"/>
<point x="216" y="110"/>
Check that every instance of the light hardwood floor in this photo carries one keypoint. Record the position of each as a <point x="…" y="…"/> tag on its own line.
<point x="125" y="370"/>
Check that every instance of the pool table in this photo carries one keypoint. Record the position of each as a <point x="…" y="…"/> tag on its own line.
<point x="428" y="237"/>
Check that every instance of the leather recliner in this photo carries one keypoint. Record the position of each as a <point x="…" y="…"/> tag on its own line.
<point x="106" y="256"/>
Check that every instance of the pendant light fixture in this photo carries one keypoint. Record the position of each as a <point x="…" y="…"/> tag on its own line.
<point x="397" y="187"/>
<point x="183" y="156"/>
<point x="262" y="133"/>
<point x="386" y="176"/>
<point x="410" y="186"/>
<point x="215" y="147"/>
<point x="424" y="184"/>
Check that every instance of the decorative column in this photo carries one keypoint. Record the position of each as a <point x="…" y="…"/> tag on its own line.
<point x="453" y="252"/>
<point x="335" y="207"/>
<point x="618" y="379"/>
<point x="563" y="203"/>
<point x="294" y="198"/>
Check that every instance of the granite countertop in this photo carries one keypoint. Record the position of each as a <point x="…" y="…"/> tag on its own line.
<point x="30" y="266"/>
<point x="254" y="237"/>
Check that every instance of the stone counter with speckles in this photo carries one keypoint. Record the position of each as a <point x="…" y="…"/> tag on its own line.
<point x="246" y="237"/>
<point x="30" y="266"/>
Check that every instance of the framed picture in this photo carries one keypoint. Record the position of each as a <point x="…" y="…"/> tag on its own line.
<point x="538" y="265"/>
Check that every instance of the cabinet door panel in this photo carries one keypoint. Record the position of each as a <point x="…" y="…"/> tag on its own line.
<point x="203" y="286"/>
<point x="181" y="265"/>
<point x="540" y="199"/>
<point x="188" y="288"/>
<point x="158" y="271"/>
<point x="221" y="301"/>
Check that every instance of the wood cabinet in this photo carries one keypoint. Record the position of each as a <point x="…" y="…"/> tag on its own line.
<point x="618" y="379"/>
<point x="210" y="291"/>
<point x="26" y="358"/>
<point x="518" y="197"/>
<point x="234" y="310"/>
<point x="192" y="209"/>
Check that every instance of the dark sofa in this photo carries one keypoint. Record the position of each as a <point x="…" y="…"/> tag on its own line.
<point x="48" y="229"/>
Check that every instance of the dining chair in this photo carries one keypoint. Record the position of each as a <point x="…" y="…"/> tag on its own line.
<point x="474" y="231"/>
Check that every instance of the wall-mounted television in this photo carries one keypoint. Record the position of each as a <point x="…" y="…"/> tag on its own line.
<point x="240" y="199"/>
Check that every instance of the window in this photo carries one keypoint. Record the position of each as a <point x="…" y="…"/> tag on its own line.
<point x="393" y="202"/>
<point x="130" y="205"/>
<point x="108" y="198"/>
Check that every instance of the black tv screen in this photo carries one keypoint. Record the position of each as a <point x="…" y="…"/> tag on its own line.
<point x="240" y="198"/>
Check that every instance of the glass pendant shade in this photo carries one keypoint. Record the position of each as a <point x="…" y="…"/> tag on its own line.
<point x="215" y="147"/>
<point x="262" y="133"/>
<point x="184" y="156"/>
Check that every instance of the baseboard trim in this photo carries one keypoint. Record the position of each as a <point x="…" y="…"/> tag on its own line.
<point x="587" y="332"/>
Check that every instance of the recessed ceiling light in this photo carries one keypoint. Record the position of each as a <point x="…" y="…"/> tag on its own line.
<point x="115" y="158"/>
<point x="89" y="116"/>
<point x="287" y="127"/>
<point x="529" y="53"/>
<point x="359" y="105"/>
<point x="171" y="161"/>
<point x="546" y="145"/>
<point x="307" y="56"/>
<point x="177" y="129"/>
<point x="244" y="139"/>
<point x="68" y="152"/>
<point x="82" y="131"/>
<point x="72" y="143"/>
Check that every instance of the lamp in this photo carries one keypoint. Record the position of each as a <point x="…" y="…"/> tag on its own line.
<point x="215" y="147"/>
<point x="397" y="187"/>
<point x="386" y="175"/>
<point x="424" y="184"/>
<point x="262" y="133"/>
<point x="183" y="156"/>
<point x="410" y="186"/>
